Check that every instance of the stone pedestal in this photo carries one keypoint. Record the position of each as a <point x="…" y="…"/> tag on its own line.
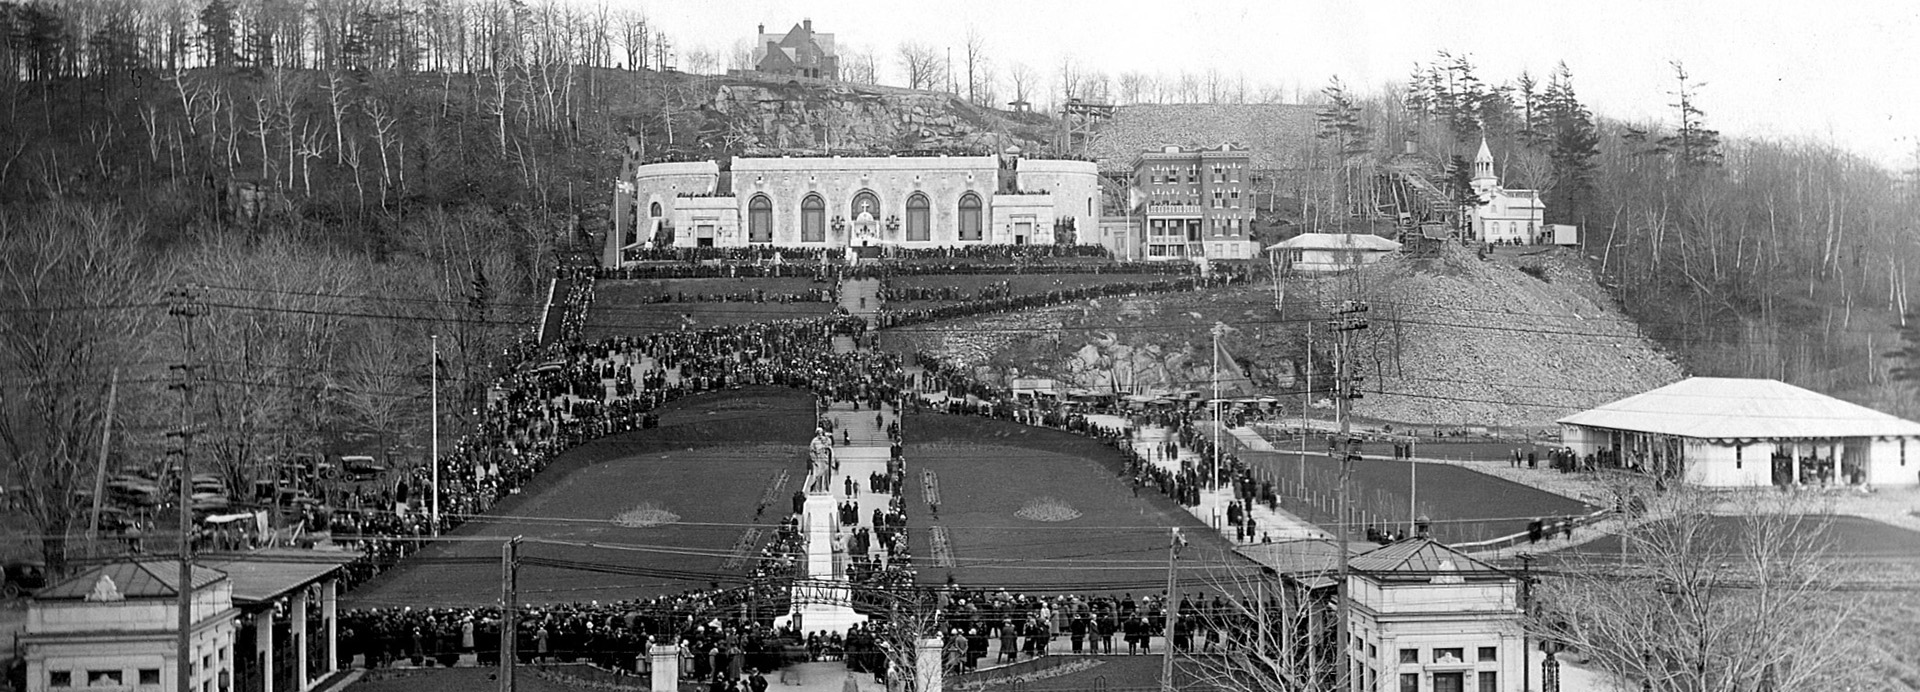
<point x="819" y="515"/>
<point x="666" y="667"/>
<point x="929" y="664"/>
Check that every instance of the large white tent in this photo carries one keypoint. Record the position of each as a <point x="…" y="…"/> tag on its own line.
<point x="1729" y="432"/>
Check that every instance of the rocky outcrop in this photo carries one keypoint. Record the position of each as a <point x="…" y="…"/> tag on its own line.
<point x="760" y="117"/>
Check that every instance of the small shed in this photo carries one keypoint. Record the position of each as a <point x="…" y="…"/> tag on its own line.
<point x="1332" y="252"/>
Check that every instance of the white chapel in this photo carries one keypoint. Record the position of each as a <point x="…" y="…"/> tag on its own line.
<point x="1505" y="216"/>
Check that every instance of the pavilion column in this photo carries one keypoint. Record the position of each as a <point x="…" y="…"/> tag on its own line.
<point x="263" y="647"/>
<point x="929" y="668"/>
<point x="666" y="666"/>
<point x="1796" y="464"/>
<point x="297" y="636"/>
<point x="330" y="617"/>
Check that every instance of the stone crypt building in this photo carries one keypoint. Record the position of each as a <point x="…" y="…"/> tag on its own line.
<point x="837" y="202"/>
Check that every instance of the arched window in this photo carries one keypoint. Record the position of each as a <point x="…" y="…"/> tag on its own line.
<point x="760" y="220"/>
<point x="970" y="226"/>
<point x="654" y="210"/>
<point x="917" y="221"/>
<point x="864" y="202"/>
<point x="813" y="220"/>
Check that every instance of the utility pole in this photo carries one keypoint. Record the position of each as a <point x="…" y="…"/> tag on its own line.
<point x="185" y="309"/>
<point x="433" y="368"/>
<point x="1345" y="323"/>
<point x="1413" y="495"/>
<point x="1174" y="542"/>
<point x="1218" y="329"/>
<point x="100" y="472"/>
<point x="509" y="620"/>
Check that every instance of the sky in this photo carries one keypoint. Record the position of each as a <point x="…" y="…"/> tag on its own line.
<point x="1845" y="73"/>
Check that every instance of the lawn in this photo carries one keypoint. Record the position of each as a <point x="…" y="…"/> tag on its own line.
<point x="992" y="472"/>
<point x="1455" y="449"/>
<point x="630" y="307"/>
<point x="1841" y="535"/>
<point x="1020" y="284"/>
<point x="709" y="462"/>
<point x="1464" y="505"/>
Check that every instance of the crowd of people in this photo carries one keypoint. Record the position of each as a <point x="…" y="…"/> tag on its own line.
<point x="891" y="317"/>
<point x="757" y="295"/>
<point x="581" y="390"/>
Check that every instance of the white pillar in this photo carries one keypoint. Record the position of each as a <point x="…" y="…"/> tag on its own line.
<point x="297" y="625"/>
<point x="330" y="612"/>
<point x="666" y="666"/>
<point x="263" y="647"/>
<point x="929" y="664"/>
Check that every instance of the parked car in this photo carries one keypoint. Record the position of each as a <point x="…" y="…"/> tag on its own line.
<point x="23" y="578"/>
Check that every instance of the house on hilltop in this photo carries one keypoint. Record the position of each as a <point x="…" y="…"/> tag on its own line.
<point x="799" y="53"/>
<point x="1504" y="216"/>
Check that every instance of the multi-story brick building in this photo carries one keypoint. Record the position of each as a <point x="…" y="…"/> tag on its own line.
<point x="1194" y="202"/>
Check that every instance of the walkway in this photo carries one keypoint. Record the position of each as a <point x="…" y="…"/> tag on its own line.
<point x="1276" y="524"/>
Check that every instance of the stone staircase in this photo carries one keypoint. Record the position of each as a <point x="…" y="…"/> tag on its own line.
<point x="862" y="428"/>
<point x="860" y="297"/>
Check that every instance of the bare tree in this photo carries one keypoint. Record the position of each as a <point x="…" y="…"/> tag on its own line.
<point x="1696" y="601"/>
<point x="975" y="59"/>
<point x="1271" y="637"/>
<point x="311" y="144"/>
<point x="1098" y="87"/>
<point x="375" y="385"/>
<point x="79" y="306"/>
<point x="633" y="38"/>
<point x="385" y="137"/>
<point x="922" y="65"/>
<point x="741" y="56"/>
<point x="859" y="66"/>
<point x="338" y="100"/>
<point x="1070" y="80"/>
<point x="1133" y="86"/>
<point x="1023" y="80"/>
<point x="276" y="331"/>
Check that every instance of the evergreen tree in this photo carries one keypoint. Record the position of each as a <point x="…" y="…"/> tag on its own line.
<point x="1693" y="145"/>
<point x="217" y="33"/>
<point x="1533" y="114"/>
<point x="41" y="33"/>
<point x="114" y="48"/>
<point x="1572" y="141"/>
<point x="1496" y="113"/>
<point x="1340" y="124"/>
<point x="1465" y="94"/>
<point x="1418" y="99"/>
<point x="1460" y="186"/>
